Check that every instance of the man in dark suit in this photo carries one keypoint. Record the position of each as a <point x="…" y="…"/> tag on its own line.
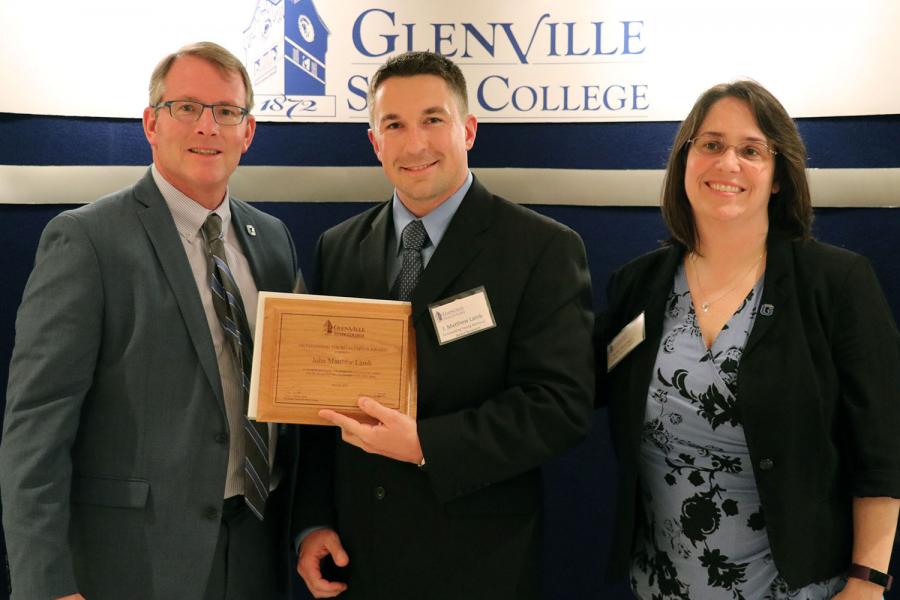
<point x="123" y="457"/>
<point x="448" y="505"/>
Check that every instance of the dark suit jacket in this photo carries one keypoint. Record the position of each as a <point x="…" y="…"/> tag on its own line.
<point x="818" y="387"/>
<point x="115" y="444"/>
<point x="493" y="407"/>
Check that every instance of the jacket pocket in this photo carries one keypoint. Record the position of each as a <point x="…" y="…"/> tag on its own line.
<point x="109" y="491"/>
<point x="520" y="496"/>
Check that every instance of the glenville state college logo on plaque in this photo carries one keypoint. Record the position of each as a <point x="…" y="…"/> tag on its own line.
<point x="286" y="43"/>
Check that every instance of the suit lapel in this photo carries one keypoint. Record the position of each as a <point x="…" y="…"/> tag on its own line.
<point x="372" y="254"/>
<point x="774" y="301"/>
<point x="641" y="372"/>
<point x="160" y="228"/>
<point x="772" y="305"/>
<point x="254" y="251"/>
<point x="462" y="242"/>
<point x="774" y="296"/>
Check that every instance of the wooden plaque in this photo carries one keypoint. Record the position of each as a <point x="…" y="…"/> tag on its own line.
<point x="314" y="352"/>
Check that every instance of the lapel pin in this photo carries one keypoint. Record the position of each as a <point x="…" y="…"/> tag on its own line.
<point x="251" y="230"/>
<point x="766" y="310"/>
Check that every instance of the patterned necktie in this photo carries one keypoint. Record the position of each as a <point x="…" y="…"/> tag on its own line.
<point x="230" y="309"/>
<point x="414" y="239"/>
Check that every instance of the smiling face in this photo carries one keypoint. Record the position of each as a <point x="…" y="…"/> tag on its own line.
<point x="198" y="158"/>
<point x="421" y="139"/>
<point x="726" y="189"/>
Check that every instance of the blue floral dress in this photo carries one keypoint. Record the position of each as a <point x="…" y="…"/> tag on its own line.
<point x="701" y="532"/>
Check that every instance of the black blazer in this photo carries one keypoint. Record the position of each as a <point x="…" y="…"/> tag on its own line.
<point x="493" y="407"/>
<point x="818" y="388"/>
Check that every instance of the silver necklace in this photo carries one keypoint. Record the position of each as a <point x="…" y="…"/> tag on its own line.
<point x="705" y="305"/>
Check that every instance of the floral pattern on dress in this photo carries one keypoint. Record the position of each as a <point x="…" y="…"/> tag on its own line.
<point x="702" y="532"/>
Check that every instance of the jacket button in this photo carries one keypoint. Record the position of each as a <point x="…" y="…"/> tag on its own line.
<point x="211" y="513"/>
<point x="221" y="437"/>
<point x="766" y="464"/>
<point x="380" y="493"/>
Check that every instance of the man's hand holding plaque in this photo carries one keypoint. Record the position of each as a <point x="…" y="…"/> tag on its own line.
<point x="323" y="353"/>
<point x="394" y="435"/>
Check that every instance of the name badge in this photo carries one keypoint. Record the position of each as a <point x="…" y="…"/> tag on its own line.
<point x="626" y="341"/>
<point x="461" y="315"/>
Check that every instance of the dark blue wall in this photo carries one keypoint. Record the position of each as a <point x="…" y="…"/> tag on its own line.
<point x="833" y="142"/>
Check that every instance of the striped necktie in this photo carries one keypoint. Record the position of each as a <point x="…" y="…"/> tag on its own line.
<point x="230" y="309"/>
<point x="414" y="239"/>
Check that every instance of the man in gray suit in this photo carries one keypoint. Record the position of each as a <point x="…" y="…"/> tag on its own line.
<point x="123" y="465"/>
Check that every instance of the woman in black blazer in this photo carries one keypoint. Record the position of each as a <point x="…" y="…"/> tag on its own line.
<point x="752" y="377"/>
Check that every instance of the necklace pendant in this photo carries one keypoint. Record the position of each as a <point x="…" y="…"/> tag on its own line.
<point x="705" y="307"/>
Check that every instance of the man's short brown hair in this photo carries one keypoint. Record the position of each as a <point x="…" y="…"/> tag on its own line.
<point x="410" y="64"/>
<point x="212" y="53"/>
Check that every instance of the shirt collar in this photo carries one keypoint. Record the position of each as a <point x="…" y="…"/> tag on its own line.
<point x="435" y="222"/>
<point x="189" y="215"/>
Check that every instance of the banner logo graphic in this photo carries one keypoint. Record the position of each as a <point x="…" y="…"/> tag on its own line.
<point x="286" y="45"/>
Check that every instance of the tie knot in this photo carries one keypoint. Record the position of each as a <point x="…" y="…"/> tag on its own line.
<point x="414" y="236"/>
<point x="212" y="227"/>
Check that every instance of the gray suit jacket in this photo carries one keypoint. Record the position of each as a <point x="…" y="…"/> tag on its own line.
<point x="115" y="445"/>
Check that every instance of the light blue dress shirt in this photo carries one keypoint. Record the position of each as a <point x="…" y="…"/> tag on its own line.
<point x="435" y="222"/>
